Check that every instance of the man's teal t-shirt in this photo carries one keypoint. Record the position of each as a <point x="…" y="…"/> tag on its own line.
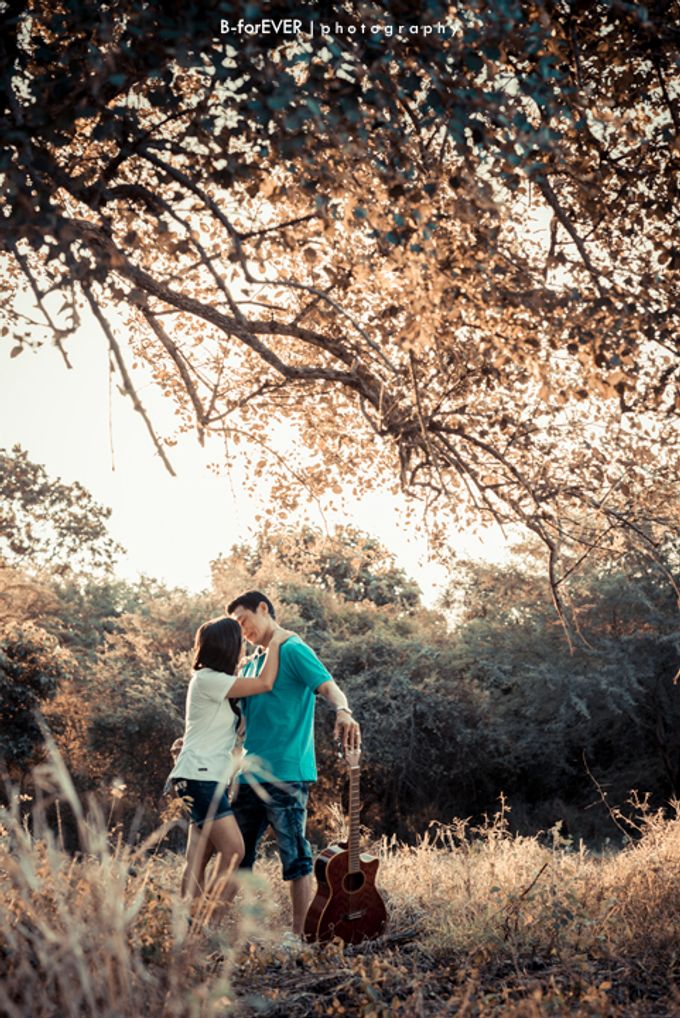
<point x="280" y="724"/>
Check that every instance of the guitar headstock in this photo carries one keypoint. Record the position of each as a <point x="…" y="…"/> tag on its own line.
<point x="352" y="756"/>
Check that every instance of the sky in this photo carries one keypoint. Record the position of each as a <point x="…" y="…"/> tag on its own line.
<point x="80" y="428"/>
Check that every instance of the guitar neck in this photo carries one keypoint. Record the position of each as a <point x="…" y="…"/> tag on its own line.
<point x="353" y="839"/>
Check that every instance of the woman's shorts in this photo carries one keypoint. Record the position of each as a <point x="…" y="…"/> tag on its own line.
<point x="205" y="800"/>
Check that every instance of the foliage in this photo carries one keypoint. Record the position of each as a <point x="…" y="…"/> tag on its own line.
<point x="47" y="522"/>
<point x="26" y="598"/>
<point x="516" y="926"/>
<point x="136" y="689"/>
<point x="349" y="562"/>
<point x="32" y="666"/>
<point x="134" y="720"/>
<point x="112" y="660"/>
<point x="455" y="713"/>
<point x="395" y="662"/>
<point x="446" y="258"/>
<point x="89" y="609"/>
<point x="420" y="716"/>
<point x="452" y="713"/>
<point x="610" y="705"/>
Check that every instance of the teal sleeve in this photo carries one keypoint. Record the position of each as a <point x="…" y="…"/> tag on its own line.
<point x="305" y="665"/>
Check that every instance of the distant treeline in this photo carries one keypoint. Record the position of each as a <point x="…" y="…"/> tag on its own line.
<point x="459" y="705"/>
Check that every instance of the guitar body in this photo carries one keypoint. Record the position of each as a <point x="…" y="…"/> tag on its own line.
<point x="347" y="904"/>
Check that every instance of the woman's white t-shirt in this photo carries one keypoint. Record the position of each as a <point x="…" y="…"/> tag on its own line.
<point x="209" y="729"/>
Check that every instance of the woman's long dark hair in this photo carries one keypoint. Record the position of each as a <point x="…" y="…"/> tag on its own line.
<point x="217" y="645"/>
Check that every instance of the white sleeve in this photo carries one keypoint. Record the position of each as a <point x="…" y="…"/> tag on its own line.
<point x="214" y="685"/>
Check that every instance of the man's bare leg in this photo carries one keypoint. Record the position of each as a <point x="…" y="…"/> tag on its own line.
<point x="301" y="893"/>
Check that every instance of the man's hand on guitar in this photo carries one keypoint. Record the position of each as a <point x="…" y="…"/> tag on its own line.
<point x="347" y="731"/>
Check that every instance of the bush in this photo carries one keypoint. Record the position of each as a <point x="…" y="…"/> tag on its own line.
<point x="32" y="666"/>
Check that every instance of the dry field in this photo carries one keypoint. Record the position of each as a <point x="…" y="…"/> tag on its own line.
<point x="481" y="923"/>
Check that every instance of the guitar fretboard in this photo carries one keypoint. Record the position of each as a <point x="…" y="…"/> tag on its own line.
<point x="354" y="805"/>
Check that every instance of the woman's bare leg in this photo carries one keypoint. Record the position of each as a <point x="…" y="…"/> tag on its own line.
<point x="199" y="851"/>
<point x="227" y="843"/>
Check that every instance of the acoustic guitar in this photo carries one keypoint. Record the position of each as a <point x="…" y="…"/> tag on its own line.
<point x="347" y="904"/>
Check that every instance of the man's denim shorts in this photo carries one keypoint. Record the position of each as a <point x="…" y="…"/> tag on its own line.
<point x="205" y="800"/>
<point x="285" y="808"/>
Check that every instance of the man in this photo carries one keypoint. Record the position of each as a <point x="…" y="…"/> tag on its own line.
<point x="280" y="733"/>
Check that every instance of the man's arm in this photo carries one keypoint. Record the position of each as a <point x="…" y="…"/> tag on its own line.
<point x="346" y="728"/>
<point x="264" y="681"/>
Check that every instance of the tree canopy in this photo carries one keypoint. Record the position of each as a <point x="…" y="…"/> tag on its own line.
<point x="449" y="257"/>
<point x="46" y="522"/>
<point x="32" y="666"/>
<point x="349" y="562"/>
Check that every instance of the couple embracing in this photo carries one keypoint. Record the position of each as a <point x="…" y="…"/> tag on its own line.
<point x="274" y="695"/>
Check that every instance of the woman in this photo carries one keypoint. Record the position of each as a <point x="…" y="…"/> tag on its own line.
<point x="205" y="762"/>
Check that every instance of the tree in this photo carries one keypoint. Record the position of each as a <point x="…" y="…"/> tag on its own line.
<point x="612" y="707"/>
<point x="32" y="666"/>
<point x="447" y="255"/>
<point x="348" y="561"/>
<point x="25" y="598"/>
<point x="47" y="522"/>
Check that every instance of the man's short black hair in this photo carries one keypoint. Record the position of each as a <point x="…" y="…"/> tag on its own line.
<point x="251" y="600"/>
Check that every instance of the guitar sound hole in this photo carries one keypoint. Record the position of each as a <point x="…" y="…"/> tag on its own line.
<point x="353" y="882"/>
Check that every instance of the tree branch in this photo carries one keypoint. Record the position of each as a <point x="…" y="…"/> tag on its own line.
<point x="180" y="364"/>
<point x="127" y="381"/>
<point x="554" y="203"/>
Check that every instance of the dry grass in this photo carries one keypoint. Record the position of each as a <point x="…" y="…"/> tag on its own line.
<point x="481" y="923"/>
